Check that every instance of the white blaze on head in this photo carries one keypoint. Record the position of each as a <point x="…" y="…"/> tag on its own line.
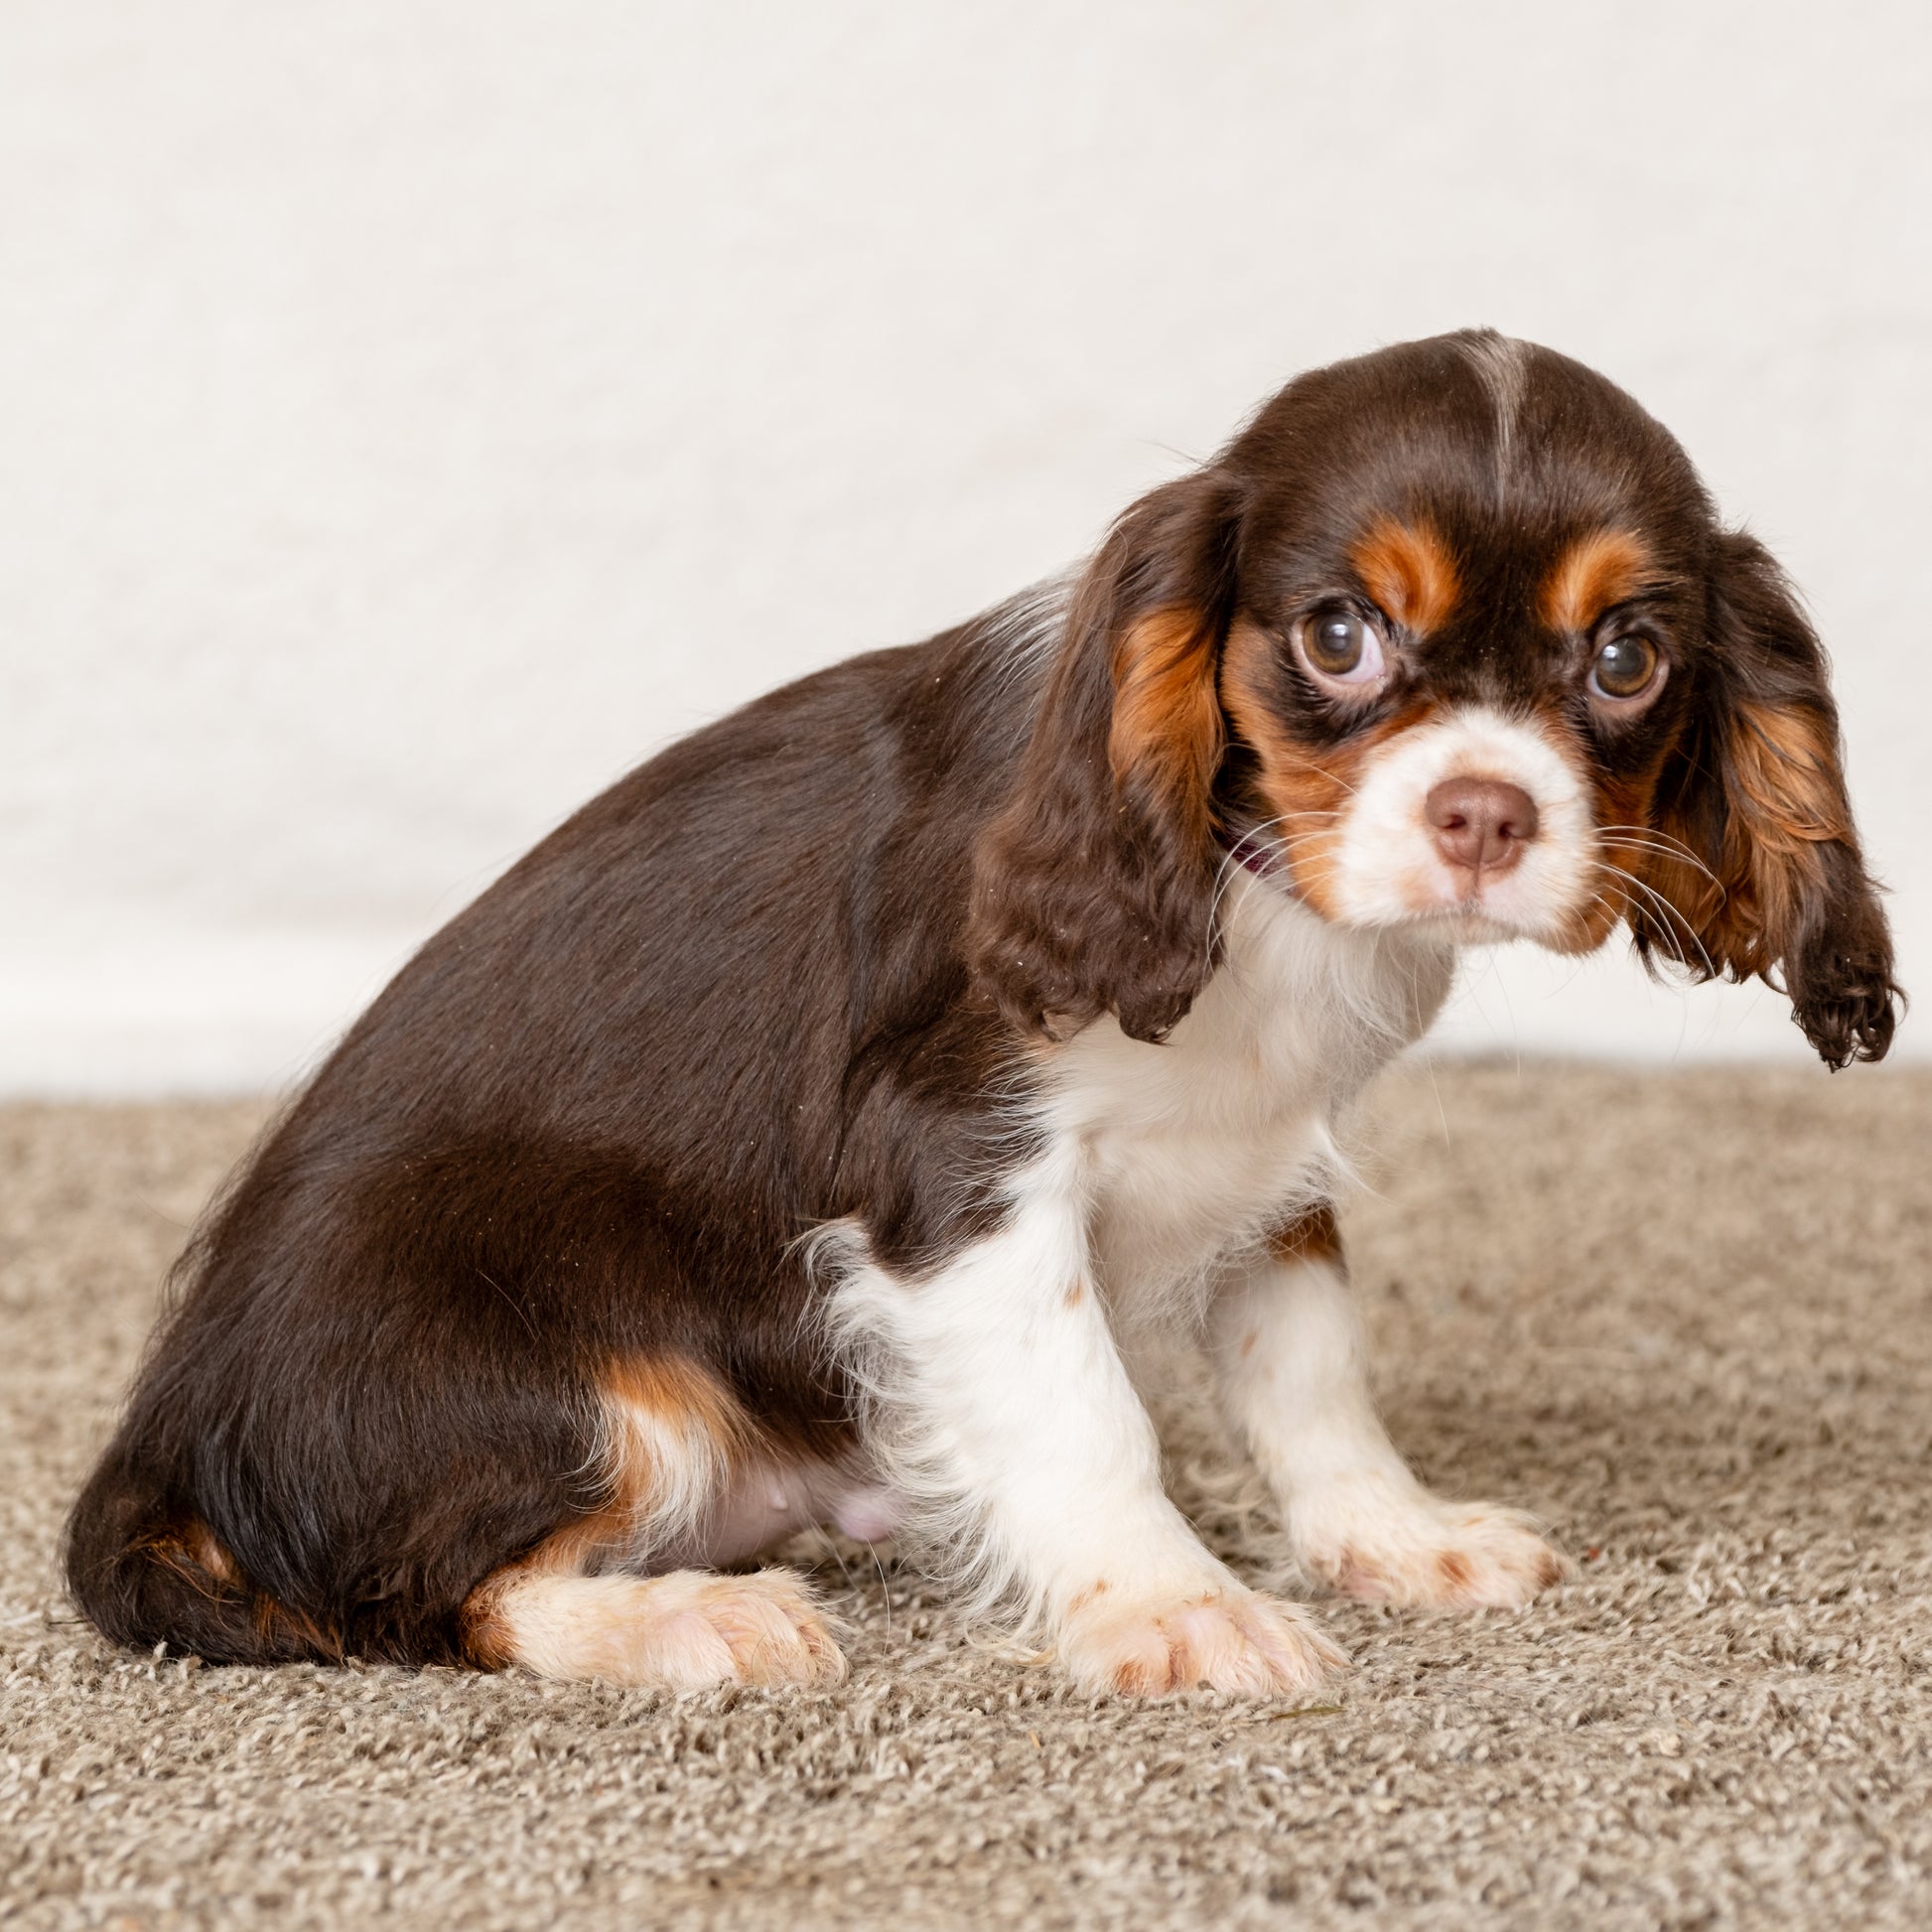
<point x="1502" y="364"/>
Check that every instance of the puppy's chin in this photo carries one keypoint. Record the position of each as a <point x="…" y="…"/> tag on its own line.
<point x="1570" y="930"/>
<point x="1457" y="927"/>
<point x="1460" y="925"/>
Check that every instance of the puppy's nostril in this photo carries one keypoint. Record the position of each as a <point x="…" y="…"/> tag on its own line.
<point x="1480" y="823"/>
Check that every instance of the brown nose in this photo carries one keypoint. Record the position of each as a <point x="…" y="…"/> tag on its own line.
<point x="1480" y="823"/>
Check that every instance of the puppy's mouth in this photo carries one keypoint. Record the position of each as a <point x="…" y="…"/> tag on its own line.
<point x="1462" y="905"/>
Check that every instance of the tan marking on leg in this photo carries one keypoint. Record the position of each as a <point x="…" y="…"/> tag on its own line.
<point x="672" y="1437"/>
<point x="675" y="1393"/>
<point x="206" y="1552"/>
<point x="1312" y="1236"/>
<point x="195" y="1555"/>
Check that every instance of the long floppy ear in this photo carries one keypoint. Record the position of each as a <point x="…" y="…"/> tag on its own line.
<point x="1758" y="796"/>
<point x="1093" y="891"/>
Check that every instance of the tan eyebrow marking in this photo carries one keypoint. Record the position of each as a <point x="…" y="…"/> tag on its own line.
<point x="1595" y="572"/>
<point x="1408" y="570"/>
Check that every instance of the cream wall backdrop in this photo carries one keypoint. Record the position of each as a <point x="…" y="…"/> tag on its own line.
<point x="413" y="414"/>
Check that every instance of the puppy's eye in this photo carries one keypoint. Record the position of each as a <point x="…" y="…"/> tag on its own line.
<point x="1342" y="646"/>
<point x="1624" y="668"/>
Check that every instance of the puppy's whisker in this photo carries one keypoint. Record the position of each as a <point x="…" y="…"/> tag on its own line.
<point x="1308" y="764"/>
<point x="1663" y="842"/>
<point x="1667" y="910"/>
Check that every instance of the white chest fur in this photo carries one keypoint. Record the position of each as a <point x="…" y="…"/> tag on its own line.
<point x="1192" y="1149"/>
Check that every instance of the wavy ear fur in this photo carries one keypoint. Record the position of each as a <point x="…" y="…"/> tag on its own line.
<point x="1759" y="798"/>
<point x="1093" y="889"/>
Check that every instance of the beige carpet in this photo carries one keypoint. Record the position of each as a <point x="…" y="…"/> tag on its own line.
<point x="1683" y="1316"/>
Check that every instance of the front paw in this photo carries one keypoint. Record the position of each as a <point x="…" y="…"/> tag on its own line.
<point x="1225" y="1639"/>
<point x="1379" y="1543"/>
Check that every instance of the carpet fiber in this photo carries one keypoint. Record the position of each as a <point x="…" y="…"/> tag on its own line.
<point x="1683" y="1317"/>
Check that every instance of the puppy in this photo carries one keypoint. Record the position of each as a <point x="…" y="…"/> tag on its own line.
<point x="805" y="1132"/>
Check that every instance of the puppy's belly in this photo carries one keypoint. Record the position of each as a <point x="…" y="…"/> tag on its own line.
<point x="769" y="1501"/>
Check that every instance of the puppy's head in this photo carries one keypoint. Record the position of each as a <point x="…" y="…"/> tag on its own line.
<point x="1450" y="638"/>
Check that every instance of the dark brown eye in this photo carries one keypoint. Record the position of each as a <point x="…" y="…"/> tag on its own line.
<point x="1341" y="645"/>
<point x="1624" y="668"/>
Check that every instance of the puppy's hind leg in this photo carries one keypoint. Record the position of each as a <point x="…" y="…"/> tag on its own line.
<point x="574" y="1607"/>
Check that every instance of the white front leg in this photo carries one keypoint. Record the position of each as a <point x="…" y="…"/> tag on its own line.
<point x="1007" y="1418"/>
<point x="1287" y="1345"/>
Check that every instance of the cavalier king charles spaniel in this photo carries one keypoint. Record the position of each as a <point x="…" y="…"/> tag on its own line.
<point x="811" y="1128"/>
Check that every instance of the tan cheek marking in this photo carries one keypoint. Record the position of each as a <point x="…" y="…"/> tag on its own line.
<point x="1628" y="802"/>
<point x="1312" y="1236"/>
<point x="1596" y="572"/>
<point x="1308" y="791"/>
<point x="1409" y="571"/>
<point x="1167" y="724"/>
<point x="1790" y="801"/>
<point x="1076" y="1294"/>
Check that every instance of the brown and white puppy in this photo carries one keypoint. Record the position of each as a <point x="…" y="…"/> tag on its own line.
<point x="807" y="1131"/>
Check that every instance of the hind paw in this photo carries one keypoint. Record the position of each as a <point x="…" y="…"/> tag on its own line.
<point x="683" y="1631"/>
